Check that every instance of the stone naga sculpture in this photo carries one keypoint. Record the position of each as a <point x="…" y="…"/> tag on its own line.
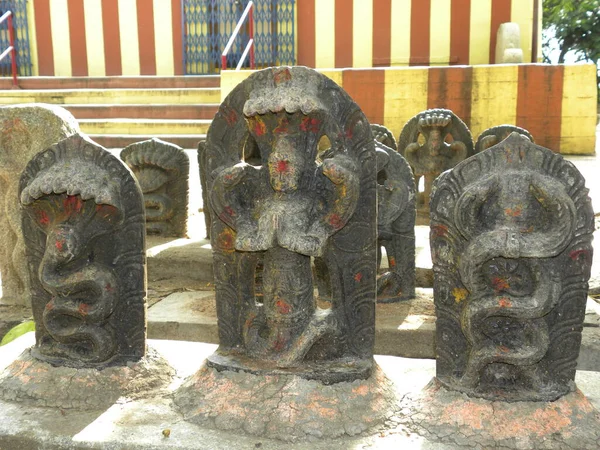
<point x="511" y="233"/>
<point x="289" y="209"/>
<point x="432" y="155"/>
<point x="396" y="211"/>
<point x="26" y="130"/>
<point x="162" y="169"/>
<point x="202" y="163"/>
<point x="83" y="223"/>
<point x="495" y="135"/>
<point x="384" y="135"/>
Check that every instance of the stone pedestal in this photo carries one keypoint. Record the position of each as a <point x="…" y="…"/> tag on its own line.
<point x="453" y="418"/>
<point x="29" y="381"/>
<point x="283" y="406"/>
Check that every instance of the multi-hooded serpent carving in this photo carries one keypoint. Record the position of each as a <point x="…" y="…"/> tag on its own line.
<point x="423" y="144"/>
<point x="289" y="207"/>
<point x="84" y="232"/>
<point x="495" y="135"/>
<point x="396" y="201"/>
<point x="162" y="169"/>
<point x="511" y="238"/>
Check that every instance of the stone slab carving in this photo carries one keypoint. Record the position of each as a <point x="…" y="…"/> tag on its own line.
<point x="423" y="142"/>
<point x="287" y="208"/>
<point x="26" y="130"/>
<point x="202" y="163"/>
<point x="162" y="169"/>
<point x="396" y="220"/>
<point x="511" y="233"/>
<point x="495" y="135"/>
<point x="508" y="44"/>
<point x="83" y="224"/>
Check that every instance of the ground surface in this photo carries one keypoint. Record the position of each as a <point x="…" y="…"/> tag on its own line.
<point x="137" y="424"/>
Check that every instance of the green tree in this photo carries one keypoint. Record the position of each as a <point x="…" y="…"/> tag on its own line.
<point x="575" y="24"/>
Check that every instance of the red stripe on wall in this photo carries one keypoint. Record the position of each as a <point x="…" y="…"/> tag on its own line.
<point x="420" y="24"/>
<point x="451" y="88"/>
<point x="500" y="14"/>
<point x="343" y="33"/>
<point x="367" y="88"/>
<point x="43" y="33"/>
<point x="460" y="31"/>
<point x="306" y="33"/>
<point x="79" y="65"/>
<point x="176" y="17"/>
<point x="539" y="103"/>
<point x="112" y="37"/>
<point x="145" y="19"/>
<point x="382" y="32"/>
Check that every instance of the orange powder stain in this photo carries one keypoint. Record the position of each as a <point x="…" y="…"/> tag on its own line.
<point x="259" y="127"/>
<point x="500" y="284"/>
<point x="504" y="302"/>
<point x="335" y="221"/>
<point x="283" y="307"/>
<point x="83" y="309"/>
<point x="513" y="212"/>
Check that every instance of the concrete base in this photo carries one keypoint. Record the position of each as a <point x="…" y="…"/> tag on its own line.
<point x="29" y="381"/>
<point x="458" y="420"/>
<point x="285" y="407"/>
<point x="177" y="258"/>
<point x="155" y="423"/>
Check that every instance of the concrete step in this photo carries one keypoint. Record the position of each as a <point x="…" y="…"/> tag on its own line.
<point x="402" y="329"/>
<point x="141" y="82"/>
<point x="144" y="126"/>
<point x="178" y="96"/>
<point x="147" y="111"/>
<point x="119" y="141"/>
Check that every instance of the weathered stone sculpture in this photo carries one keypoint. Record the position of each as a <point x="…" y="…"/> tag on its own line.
<point x="204" y="186"/>
<point x="26" y="130"/>
<point x="83" y="223"/>
<point x="275" y="198"/>
<point x="162" y="169"/>
<point x="495" y="135"/>
<point x="292" y="208"/>
<point x="511" y="235"/>
<point x="396" y="221"/>
<point x="432" y="155"/>
<point x="384" y="135"/>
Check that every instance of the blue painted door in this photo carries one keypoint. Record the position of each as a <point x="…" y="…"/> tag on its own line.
<point x="19" y="10"/>
<point x="208" y="25"/>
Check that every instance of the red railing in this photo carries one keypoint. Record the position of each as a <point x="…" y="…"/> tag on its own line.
<point x="11" y="49"/>
<point x="248" y="12"/>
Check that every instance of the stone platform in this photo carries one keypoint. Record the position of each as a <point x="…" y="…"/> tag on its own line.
<point x="404" y="329"/>
<point x="155" y="423"/>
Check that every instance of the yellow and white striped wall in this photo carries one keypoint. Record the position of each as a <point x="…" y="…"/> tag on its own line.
<point x="376" y="33"/>
<point x="105" y="37"/>
<point x="144" y="37"/>
<point x="556" y="103"/>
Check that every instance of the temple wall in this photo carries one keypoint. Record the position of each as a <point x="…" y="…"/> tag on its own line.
<point x="144" y="37"/>
<point x="556" y="103"/>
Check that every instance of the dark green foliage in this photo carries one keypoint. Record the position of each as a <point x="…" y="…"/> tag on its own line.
<point x="576" y="26"/>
